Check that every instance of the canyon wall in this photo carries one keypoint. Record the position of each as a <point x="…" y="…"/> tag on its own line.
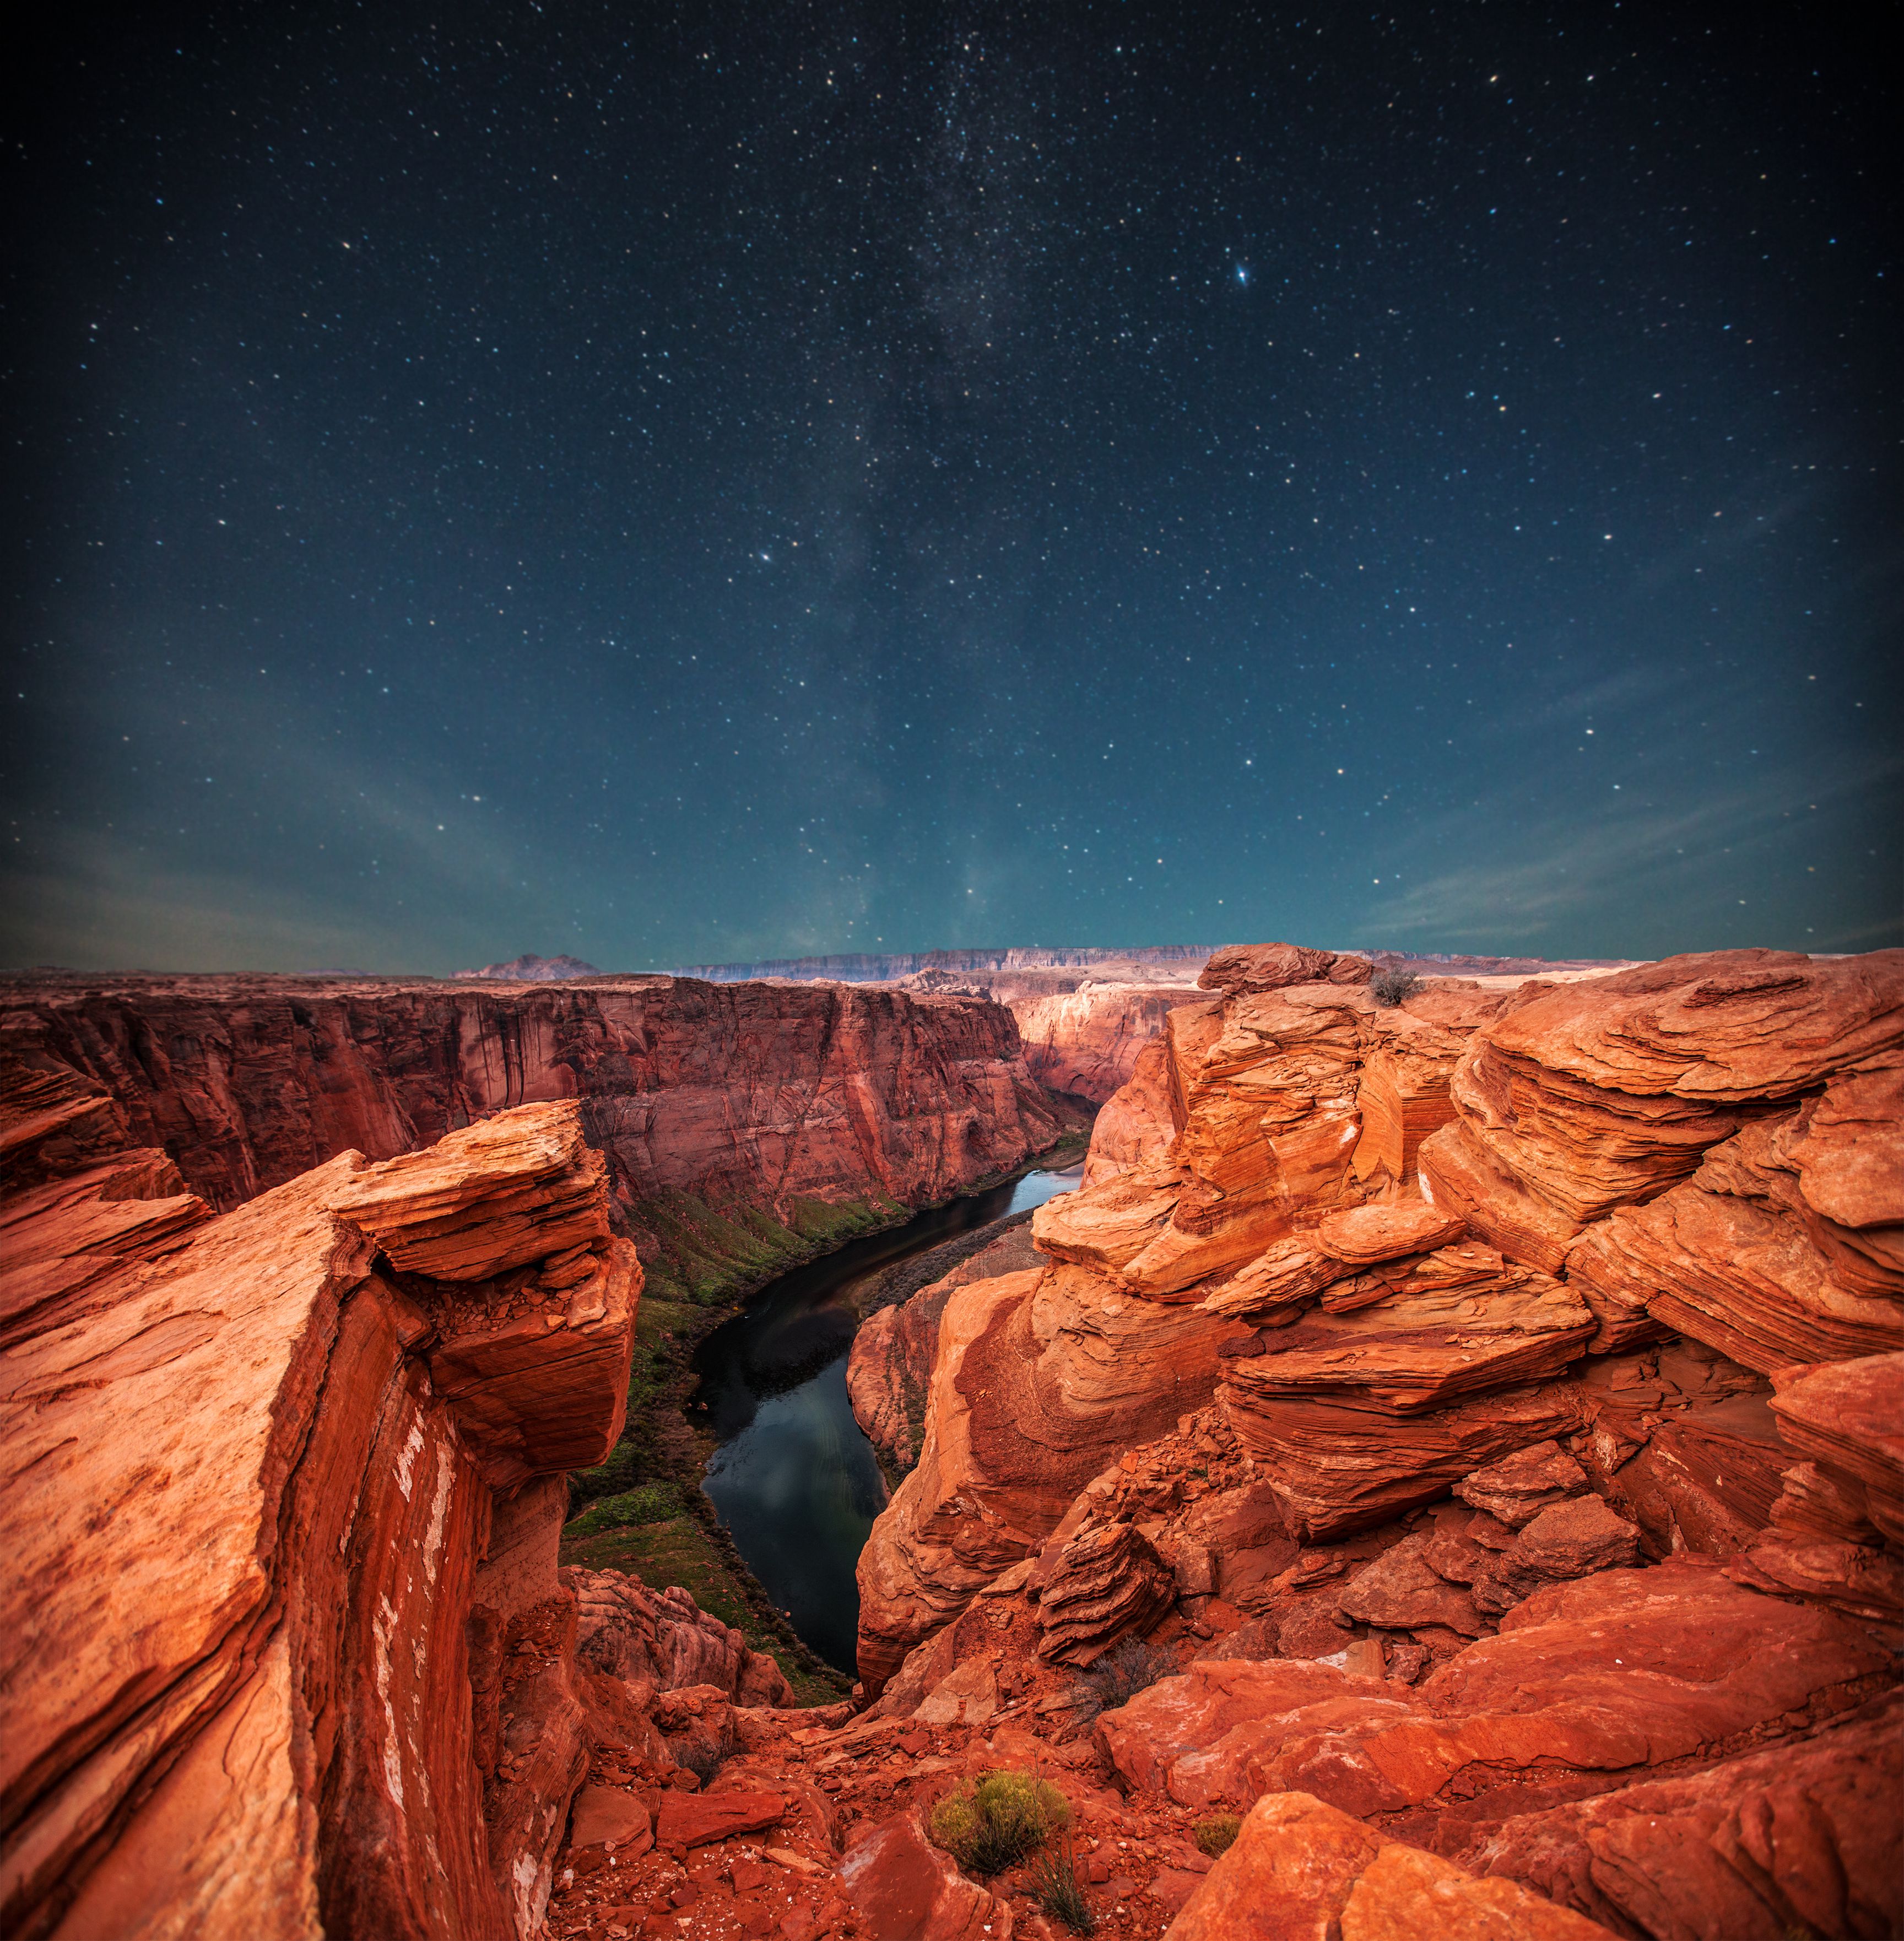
<point x="1082" y="1031"/>
<point x="1489" y="1401"/>
<point x="763" y="1099"/>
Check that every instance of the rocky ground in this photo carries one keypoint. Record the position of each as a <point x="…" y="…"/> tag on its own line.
<point x="1452" y="1452"/>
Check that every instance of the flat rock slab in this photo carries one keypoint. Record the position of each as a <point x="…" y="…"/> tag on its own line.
<point x="696" y="1819"/>
<point x="604" y="1815"/>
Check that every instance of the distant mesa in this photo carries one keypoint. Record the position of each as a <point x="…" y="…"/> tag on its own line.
<point x="858" y="969"/>
<point x="530" y="969"/>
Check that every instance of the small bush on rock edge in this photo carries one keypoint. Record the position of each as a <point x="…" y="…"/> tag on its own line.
<point x="990" y="1826"/>
<point x="1390" y="987"/>
<point x="1217" y="1835"/>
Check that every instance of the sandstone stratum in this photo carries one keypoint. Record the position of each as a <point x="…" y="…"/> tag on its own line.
<point x="743" y="1125"/>
<point x="1443" y="1474"/>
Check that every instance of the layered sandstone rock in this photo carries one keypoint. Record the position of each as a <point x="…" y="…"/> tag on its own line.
<point x="286" y="1652"/>
<point x="1136" y="1124"/>
<point x="1040" y="1378"/>
<point x="1301" y="1868"/>
<point x="889" y="1369"/>
<point x="1540" y="1247"/>
<point x="751" y="1096"/>
<point x="1624" y="1670"/>
<point x="662" y="1639"/>
<point x="1804" y="1838"/>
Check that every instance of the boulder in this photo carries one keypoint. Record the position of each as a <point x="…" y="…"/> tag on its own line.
<point x="1107" y="1583"/>
<point x="1516" y="1489"/>
<point x="1566" y="1540"/>
<point x="605" y="1816"/>
<point x="1301" y="1870"/>
<point x="1359" y="1236"/>
<point x="902" y="1888"/>
<point x="698" y="1819"/>
<point x="1804" y="1837"/>
<point x="664" y="1639"/>
<point x="1402" y="1589"/>
<point x="1269" y="967"/>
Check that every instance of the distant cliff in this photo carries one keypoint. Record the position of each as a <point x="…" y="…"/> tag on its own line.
<point x="530" y="969"/>
<point x="743" y="1125"/>
<point x="875" y="970"/>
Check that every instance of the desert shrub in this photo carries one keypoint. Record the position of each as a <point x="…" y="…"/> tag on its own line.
<point x="1390" y="987"/>
<point x="1123" y="1671"/>
<point x="989" y="1827"/>
<point x="1056" y="1888"/>
<point x="1217" y="1834"/>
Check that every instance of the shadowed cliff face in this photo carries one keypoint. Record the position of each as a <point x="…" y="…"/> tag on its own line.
<point x="753" y="1096"/>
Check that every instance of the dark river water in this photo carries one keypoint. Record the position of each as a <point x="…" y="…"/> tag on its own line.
<point x="794" y="1479"/>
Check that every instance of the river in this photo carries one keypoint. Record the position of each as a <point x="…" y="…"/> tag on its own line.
<point x="794" y="1479"/>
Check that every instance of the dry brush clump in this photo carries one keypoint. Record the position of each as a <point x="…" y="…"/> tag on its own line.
<point x="992" y="1825"/>
<point x="1218" y="1834"/>
<point x="1390" y="987"/>
<point x="1116" y="1678"/>
<point x="1056" y="1887"/>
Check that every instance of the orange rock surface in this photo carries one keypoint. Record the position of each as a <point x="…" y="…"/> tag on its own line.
<point x="754" y="1094"/>
<point x="1301" y="1870"/>
<point x="1463" y="1437"/>
<point x="252" y="1536"/>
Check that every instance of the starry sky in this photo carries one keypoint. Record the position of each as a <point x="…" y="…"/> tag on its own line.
<point x="681" y="483"/>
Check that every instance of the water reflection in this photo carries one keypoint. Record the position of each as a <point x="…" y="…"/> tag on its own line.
<point x="795" y="1481"/>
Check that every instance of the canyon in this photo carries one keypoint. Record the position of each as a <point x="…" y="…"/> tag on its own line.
<point x="1443" y="1472"/>
<point x="744" y="1125"/>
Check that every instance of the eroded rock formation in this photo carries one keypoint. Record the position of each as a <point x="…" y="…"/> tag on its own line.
<point x="1463" y="1440"/>
<point x="1509" y="1384"/>
<point x="276" y="1509"/>
<point x="752" y="1099"/>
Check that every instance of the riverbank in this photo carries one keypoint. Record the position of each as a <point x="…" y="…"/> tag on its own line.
<point x="644" y="1511"/>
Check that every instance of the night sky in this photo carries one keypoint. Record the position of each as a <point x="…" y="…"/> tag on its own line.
<point x="681" y="485"/>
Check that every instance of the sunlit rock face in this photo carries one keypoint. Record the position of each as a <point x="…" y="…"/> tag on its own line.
<point x="281" y="1491"/>
<point x="1399" y="1242"/>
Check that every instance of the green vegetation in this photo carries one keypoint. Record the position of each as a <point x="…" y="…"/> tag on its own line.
<point x="1217" y="1835"/>
<point x="992" y="1825"/>
<point x="1056" y="1887"/>
<point x="709" y="1258"/>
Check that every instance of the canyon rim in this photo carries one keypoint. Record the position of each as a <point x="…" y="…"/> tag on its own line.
<point x="1455" y="1431"/>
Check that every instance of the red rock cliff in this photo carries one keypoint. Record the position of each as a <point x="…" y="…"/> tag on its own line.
<point x="751" y="1095"/>
<point x="282" y="1488"/>
<point x="1082" y="1031"/>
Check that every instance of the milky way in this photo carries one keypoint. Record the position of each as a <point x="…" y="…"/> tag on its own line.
<point x="766" y="480"/>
